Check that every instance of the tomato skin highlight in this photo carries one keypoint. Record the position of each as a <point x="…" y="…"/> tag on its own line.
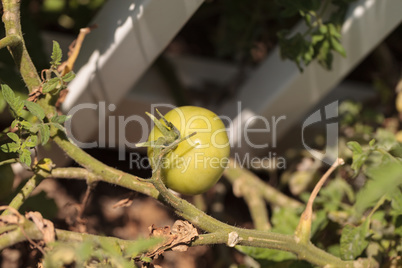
<point x="198" y="162"/>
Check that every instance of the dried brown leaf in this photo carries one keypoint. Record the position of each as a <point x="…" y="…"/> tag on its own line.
<point x="126" y="202"/>
<point x="45" y="226"/>
<point x="74" y="48"/>
<point x="177" y="238"/>
<point x="14" y="218"/>
<point x="185" y="232"/>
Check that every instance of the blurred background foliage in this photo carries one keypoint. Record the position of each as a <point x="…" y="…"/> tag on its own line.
<point x="244" y="33"/>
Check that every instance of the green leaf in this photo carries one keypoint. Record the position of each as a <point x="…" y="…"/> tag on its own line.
<point x="333" y="31"/>
<point x="323" y="29"/>
<point x="50" y="85"/>
<point x="320" y="221"/>
<point x="31" y="141"/>
<point x="25" y="157"/>
<point x="35" y="109"/>
<point x="396" y="150"/>
<point x="359" y="157"/>
<point x="296" y="48"/>
<point x="3" y="103"/>
<point x="59" y="119"/>
<point x="398" y="225"/>
<point x="383" y="179"/>
<point x="56" y="54"/>
<point x="25" y="125"/>
<point x="85" y="250"/>
<point x="333" y="194"/>
<point x="317" y="38"/>
<point x="307" y="18"/>
<point x="10" y="147"/>
<point x="58" y="126"/>
<point x="15" y="123"/>
<point x="285" y="220"/>
<point x="396" y="201"/>
<point x="44" y="133"/>
<point x="112" y="248"/>
<point x="372" y="142"/>
<point x="13" y="101"/>
<point x="68" y="77"/>
<point x="336" y="45"/>
<point x="14" y="137"/>
<point x="353" y="240"/>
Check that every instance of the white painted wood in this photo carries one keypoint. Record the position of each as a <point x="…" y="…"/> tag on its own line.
<point x="130" y="35"/>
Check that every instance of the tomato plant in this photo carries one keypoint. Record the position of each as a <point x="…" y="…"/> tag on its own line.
<point x="197" y="163"/>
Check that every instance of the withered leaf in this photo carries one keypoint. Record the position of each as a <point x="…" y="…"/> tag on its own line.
<point x="13" y="218"/>
<point x="177" y="238"/>
<point x="45" y="226"/>
<point x="126" y="202"/>
<point x="185" y="232"/>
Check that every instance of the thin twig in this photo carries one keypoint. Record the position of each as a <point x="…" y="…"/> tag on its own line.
<point x="303" y="229"/>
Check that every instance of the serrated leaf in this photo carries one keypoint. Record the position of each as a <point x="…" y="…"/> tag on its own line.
<point x="25" y="125"/>
<point x="14" y="123"/>
<point x="383" y="180"/>
<point x="50" y="85"/>
<point x="14" y="137"/>
<point x="56" y="54"/>
<point x="353" y="240"/>
<point x="8" y="94"/>
<point x="13" y="101"/>
<point x="35" y="109"/>
<point x="59" y="119"/>
<point x="68" y="76"/>
<point x="25" y="157"/>
<point x="44" y="133"/>
<point x="31" y="141"/>
<point x="285" y="220"/>
<point x="359" y="157"/>
<point x="58" y="126"/>
<point x="355" y="147"/>
<point x="10" y="147"/>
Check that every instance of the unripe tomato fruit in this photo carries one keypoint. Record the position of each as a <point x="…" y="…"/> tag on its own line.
<point x="198" y="162"/>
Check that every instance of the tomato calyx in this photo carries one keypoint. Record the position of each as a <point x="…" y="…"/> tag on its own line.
<point x="165" y="144"/>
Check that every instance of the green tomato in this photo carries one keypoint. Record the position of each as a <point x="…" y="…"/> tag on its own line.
<point x="198" y="162"/>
